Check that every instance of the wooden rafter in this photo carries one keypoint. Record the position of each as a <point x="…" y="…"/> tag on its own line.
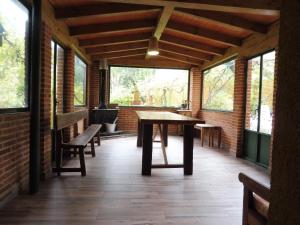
<point x="111" y="27"/>
<point x="163" y="20"/>
<point x="102" y="41"/>
<point x="223" y="19"/>
<point x="103" y="9"/>
<point x="117" y="48"/>
<point x="184" y="51"/>
<point x="180" y="58"/>
<point x="191" y="45"/>
<point x="205" y="33"/>
<point x="260" y="7"/>
<point x="114" y="55"/>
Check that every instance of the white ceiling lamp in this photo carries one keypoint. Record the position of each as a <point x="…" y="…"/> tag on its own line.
<point x="153" y="49"/>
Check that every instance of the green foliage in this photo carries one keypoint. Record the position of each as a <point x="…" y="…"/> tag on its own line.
<point x="80" y="82"/>
<point x="148" y="87"/>
<point x="218" y="87"/>
<point x="12" y="68"/>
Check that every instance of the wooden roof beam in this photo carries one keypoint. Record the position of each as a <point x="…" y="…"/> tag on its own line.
<point x="260" y="7"/>
<point x="113" y="40"/>
<point x="101" y="9"/>
<point x="163" y="21"/>
<point x="205" y="33"/>
<point x="192" y="45"/>
<point x="223" y="19"/>
<point x="111" y="27"/>
<point x="114" y="55"/>
<point x="180" y="58"/>
<point x="117" y="48"/>
<point x="184" y="52"/>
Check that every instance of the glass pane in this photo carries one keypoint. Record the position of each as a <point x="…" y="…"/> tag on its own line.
<point x="253" y="80"/>
<point x="149" y="87"/>
<point x="13" y="41"/>
<point x="80" y="82"/>
<point x="218" y="87"/>
<point x="266" y="112"/>
<point x="60" y="64"/>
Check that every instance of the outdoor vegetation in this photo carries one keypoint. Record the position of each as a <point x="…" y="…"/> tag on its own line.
<point x="80" y="82"/>
<point x="148" y="86"/>
<point x="13" y="25"/>
<point x="218" y="87"/>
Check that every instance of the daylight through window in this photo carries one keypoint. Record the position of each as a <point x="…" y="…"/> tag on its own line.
<point x="148" y="86"/>
<point x="14" y="18"/>
<point x="218" y="87"/>
<point x="80" y="82"/>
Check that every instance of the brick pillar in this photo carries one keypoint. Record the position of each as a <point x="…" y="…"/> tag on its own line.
<point x="69" y="88"/>
<point x="195" y="90"/>
<point x="94" y="85"/>
<point x="46" y="102"/>
<point x="238" y="107"/>
<point x="285" y="177"/>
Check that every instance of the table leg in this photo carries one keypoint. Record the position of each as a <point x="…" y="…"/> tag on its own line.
<point x="165" y="134"/>
<point x="219" y="137"/>
<point x="139" y="142"/>
<point x="147" y="149"/>
<point x="202" y="136"/>
<point x="188" y="142"/>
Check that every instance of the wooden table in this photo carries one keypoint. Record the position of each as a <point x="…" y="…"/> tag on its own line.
<point x="146" y="120"/>
<point x="184" y="112"/>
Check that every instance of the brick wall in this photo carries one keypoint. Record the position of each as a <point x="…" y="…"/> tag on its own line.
<point x="45" y="102"/>
<point x="128" y="118"/>
<point x="195" y="90"/>
<point x="94" y="85"/>
<point x="14" y="154"/>
<point x="231" y="122"/>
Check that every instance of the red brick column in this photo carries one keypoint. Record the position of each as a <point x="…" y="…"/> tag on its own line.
<point x="195" y="90"/>
<point x="238" y="107"/>
<point x="69" y="88"/>
<point x="94" y="85"/>
<point x="46" y="103"/>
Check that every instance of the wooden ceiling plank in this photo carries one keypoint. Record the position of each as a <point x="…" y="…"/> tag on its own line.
<point x="117" y="48"/>
<point x="102" y="41"/>
<point x="110" y="27"/>
<point x="120" y="54"/>
<point x="205" y="33"/>
<point x="223" y="18"/>
<point x="184" y="51"/>
<point x="179" y="58"/>
<point x="192" y="45"/>
<point x="260" y="7"/>
<point x="102" y="9"/>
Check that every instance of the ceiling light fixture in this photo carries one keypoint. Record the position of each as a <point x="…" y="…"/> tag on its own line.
<point x="153" y="49"/>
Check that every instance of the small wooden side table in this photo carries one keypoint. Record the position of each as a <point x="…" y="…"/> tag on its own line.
<point x="209" y="129"/>
<point x="184" y="112"/>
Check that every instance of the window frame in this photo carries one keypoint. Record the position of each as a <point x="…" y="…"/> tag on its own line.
<point x="27" y="65"/>
<point x="144" y="106"/>
<point x="86" y="81"/>
<point x="202" y="85"/>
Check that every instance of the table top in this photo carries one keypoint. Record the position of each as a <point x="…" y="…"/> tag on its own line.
<point x="163" y="117"/>
<point x="206" y="125"/>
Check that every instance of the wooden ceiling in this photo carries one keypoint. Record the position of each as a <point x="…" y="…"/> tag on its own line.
<point x="190" y="32"/>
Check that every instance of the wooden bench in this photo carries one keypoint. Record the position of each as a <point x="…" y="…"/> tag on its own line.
<point x="78" y="143"/>
<point x="210" y="130"/>
<point x="256" y="201"/>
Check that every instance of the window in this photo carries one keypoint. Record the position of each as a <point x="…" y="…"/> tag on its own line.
<point x="14" y="23"/>
<point x="218" y="87"/>
<point x="148" y="86"/>
<point x="80" y="82"/>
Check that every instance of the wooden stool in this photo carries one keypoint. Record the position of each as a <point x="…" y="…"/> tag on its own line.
<point x="209" y="129"/>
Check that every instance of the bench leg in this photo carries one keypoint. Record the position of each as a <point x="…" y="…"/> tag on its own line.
<point x="75" y="152"/>
<point x="98" y="138"/>
<point x="93" y="148"/>
<point x="82" y="162"/>
<point x="58" y="160"/>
